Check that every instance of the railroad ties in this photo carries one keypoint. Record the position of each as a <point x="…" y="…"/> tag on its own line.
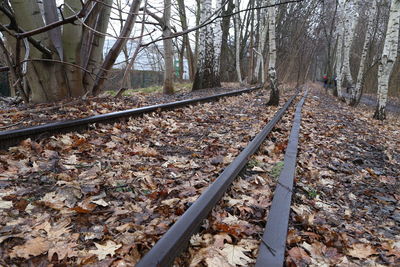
<point x="13" y="137"/>
<point x="272" y="248"/>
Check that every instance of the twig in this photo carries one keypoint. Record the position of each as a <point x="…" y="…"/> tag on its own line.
<point x="273" y="251"/>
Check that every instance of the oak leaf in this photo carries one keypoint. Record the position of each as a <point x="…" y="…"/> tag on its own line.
<point x="103" y="250"/>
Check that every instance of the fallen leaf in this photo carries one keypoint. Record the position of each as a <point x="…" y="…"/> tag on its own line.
<point x="103" y="250"/>
<point x="235" y="255"/>
<point x="299" y="256"/>
<point x="5" y="204"/>
<point x="32" y="247"/>
<point x="361" y="251"/>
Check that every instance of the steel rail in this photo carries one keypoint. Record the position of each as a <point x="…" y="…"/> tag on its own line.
<point x="13" y="137"/>
<point x="177" y="237"/>
<point x="273" y="244"/>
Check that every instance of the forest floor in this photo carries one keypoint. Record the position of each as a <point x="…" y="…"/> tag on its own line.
<point x="346" y="208"/>
<point x="106" y="195"/>
<point x="13" y="116"/>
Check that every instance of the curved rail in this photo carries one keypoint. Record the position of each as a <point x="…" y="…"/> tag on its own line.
<point x="177" y="237"/>
<point x="13" y="137"/>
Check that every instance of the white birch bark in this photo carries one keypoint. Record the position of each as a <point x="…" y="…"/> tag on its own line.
<point x="206" y="75"/>
<point x="388" y="59"/>
<point x="356" y="93"/>
<point x="237" y="43"/>
<point x="349" y="24"/>
<point x="217" y="42"/>
<point x="339" y="51"/>
<point x="274" y="98"/>
<point x="263" y="28"/>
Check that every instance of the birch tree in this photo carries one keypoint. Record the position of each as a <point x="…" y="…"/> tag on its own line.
<point x="339" y="48"/>
<point x="263" y="28"/>
<point x="237" y="41"/>
<point x="207" y="73"/>
<point x="274" y="96"/>
<point x="348" y="24"/>
<point x="217" y="45"/>
<point x="388" y="59"/>
<point x="356" y="93"/>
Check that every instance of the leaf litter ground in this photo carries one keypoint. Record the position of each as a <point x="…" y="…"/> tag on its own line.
<point x="345" y="210"/>
<point x="346" y="206"/>
<point x="12" y="117"/>
<point x="105" y="196"/>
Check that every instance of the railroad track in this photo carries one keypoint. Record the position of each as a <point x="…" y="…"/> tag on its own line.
<point x="272" y="246"/>
<point x="13" y="137"/>
<point x="99" y="161"/>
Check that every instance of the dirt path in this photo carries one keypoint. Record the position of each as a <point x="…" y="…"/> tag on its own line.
<point x="346" y="207"/>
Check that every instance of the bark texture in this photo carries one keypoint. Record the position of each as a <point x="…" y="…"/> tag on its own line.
<point x="63" y="61"/>
<point x="356" y="93"/>
<point x="206" y="74"/>
<point x="263" y="29"/>
<point x="388" y="59"/>
<point x="274" y="96"/>
<point x="237" y="42"/>
<point x="339" y="49"/>
<point x="349" y="23"/>
<point x="168" y="87"/>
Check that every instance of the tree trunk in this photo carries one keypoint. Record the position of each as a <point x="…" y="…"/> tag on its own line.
<point x="339" y="51"/>
<point x="356" y="93"/>
<point x="116" y="48"/>
<point x="274" y="96"/>
<point x="250" y="75"/>
<point x="349" y="25"/>
<point x="189" y="52"/>
<point x="71" y="52"/>
<point x="224" y="57"/>
<point x="206" y="75"/>
<point x="263" y="29"/>
<point x="388" y="59"/>
<point x="47" y="81"/>
<point x="168" y="87"/>
<point x="217" y="47"/>
<point x="93" y="43"/>
<point x="237" y="42"/>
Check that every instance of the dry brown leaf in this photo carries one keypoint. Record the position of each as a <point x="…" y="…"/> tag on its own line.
<point x="62" y="250"/>
<point x="32" y="247"/>
<point x="219" y="240"/>
<point x="103" y="250"/>
<point x="5" y="204"/>
<point x="361" y="251"/>
<point x="299" y="256"/>
<point x="235" y="255"/>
